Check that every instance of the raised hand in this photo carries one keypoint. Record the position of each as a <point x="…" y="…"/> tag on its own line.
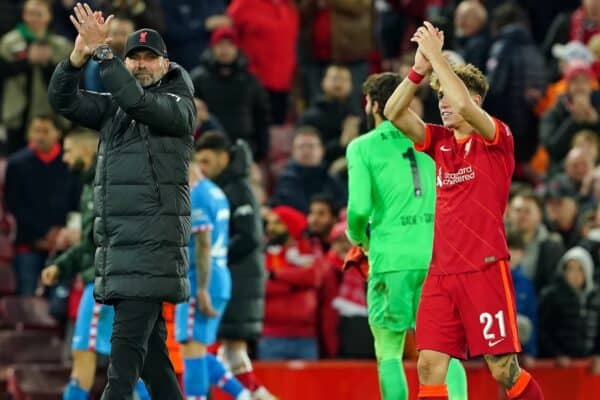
<point x="82" y="51"/>
<point x="91" y="27"/>
<point x="430" y="41"/>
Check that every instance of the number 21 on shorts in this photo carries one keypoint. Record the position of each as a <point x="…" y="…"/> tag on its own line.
<point x="488" y="321"/>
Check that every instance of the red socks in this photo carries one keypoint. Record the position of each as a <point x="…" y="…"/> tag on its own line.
<point x="526" y="388"/>
<point x="433" y="392"/>
<point x="249" y="380"/>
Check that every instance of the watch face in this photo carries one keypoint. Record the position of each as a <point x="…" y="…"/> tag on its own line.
<point x="103" y="53"/>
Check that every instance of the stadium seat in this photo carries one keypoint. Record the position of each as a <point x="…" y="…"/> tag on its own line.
<point x="8" y="283"/>
<point x="26" y="313"/>
<point x="29" y="347"/>
<point x="45" y="382"/>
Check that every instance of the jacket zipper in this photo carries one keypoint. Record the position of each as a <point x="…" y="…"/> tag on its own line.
<point x="152" y="169"/>
<point x="104" y="183"/>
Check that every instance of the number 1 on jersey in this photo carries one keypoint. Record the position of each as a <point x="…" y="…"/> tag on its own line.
<point x="410" y="155"/>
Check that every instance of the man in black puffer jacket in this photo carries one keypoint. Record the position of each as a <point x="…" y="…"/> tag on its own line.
<point x="229" y="166"/>
<point x="232" y="93"/>
<point x="141" y="193"/>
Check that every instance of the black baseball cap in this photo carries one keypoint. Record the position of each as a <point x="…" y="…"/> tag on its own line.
<point x="147" y="39"/>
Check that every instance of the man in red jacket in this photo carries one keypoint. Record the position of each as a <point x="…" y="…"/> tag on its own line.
<point x="295" y="272"/>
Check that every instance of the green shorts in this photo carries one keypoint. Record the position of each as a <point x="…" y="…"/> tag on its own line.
<point x="393" y="298"/>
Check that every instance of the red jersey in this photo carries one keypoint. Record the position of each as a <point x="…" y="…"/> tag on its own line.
<point x="473" y="182"/>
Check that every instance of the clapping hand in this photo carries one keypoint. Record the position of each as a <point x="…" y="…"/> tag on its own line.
<point x="92" y="31"/>
<point x="430" y="40"/>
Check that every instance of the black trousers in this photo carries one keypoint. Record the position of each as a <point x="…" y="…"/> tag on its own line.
<point x="138" y="349"/>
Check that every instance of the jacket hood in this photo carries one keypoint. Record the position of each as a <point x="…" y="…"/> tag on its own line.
<point x="208" y="61"/>
<point x="177" y="79"/>
<point x="580" y="254"/>
<point x="515" y="33"/>
<point x="240" y="162"/>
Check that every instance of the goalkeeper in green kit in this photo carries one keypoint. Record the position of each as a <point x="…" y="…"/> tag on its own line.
<point x="392" y="194"/>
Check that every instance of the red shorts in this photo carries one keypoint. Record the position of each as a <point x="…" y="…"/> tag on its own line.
<point x="469" y="314"/>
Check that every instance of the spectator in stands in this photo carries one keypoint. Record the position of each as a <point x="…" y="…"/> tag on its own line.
<point x="578" y="172"/>
<point x="232" y="94"/>
<point x="28" y="55"/>
<point x="291" y="302"/>
<point x="580" y="25"/>
<point x="40" y="191"/>
<point x="205" y="121"/>
<point x="268" y="31"/>
<point x="144" y="13"/>
<point x="516" y="73"/>
<point x="333" y="113"/>
<point x="323" y="214"/>
<point x="305" y="174"/>
<point x="562" y="209"/>
<point x="120" y="29"/>
<point x="525" y="297"/>
<point x="564" y="54"/>
<point x="577" y="109"/>
<point x="570" y="312"/>
<point x="471" y="34"/>
<point x="189" y="24"/>
<point x="542" y="247"/>
<point x="590" y="140"/>
<point x="337" y="32"/>
<point x="228" y="166"/>
<point x="350" y="301"/>
<point x="591" y="241"/>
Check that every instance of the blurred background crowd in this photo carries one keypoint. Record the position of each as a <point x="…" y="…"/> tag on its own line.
<point x="285" y="76"/>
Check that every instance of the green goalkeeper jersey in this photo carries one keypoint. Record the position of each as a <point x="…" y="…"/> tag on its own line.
<point x="392" y="188"/>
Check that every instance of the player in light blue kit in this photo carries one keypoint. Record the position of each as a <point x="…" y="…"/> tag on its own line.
<point x="197" y="321"/>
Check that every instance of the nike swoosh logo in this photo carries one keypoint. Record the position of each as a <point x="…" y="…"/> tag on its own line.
<point x="495" y="342"/>
<point x="444" y="148"/>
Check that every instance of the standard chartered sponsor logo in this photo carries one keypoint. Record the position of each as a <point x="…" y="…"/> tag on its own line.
<point x="452" y="178"/>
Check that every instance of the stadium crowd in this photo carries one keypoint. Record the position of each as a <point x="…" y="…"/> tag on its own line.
<point x="283" y="78"/>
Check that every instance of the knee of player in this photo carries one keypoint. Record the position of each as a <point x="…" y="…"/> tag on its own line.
<point x="428" y="368"/>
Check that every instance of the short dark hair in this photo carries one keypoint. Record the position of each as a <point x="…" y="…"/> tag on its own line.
<point x="308" y="130"/>
<point x="339" y="66"/>
<point x="506" y="14"/>
<point x="213" y="140"/>
<point x="514" y="240"/>
<point x="528" y="194"/>
<point x="53" y="118"/>
<point x="326" y="198"/>
<point x="379" y="87"/>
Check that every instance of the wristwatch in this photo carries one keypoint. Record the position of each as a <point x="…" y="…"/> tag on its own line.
<point x="103" y="53"/>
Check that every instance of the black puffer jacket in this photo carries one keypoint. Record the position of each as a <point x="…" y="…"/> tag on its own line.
<point x="236" y="98"/>
<point x="244" y="314"/>
<point x="514" y="68"/>
<point x="141" y="194"/>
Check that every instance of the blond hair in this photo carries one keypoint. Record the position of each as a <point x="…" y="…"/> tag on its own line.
<point x="471" y="76"/>
<point x="588" y="139"/>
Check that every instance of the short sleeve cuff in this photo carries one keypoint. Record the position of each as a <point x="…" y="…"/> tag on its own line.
<point x="497" y="134"/>
<point x="427" y="142"/>
<point x="201" y="228"/>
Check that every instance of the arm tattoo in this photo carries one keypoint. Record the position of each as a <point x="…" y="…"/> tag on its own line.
<point x="203" y="258"/>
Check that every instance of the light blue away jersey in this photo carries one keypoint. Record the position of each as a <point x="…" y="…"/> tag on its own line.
<point x="210" y="210"/>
